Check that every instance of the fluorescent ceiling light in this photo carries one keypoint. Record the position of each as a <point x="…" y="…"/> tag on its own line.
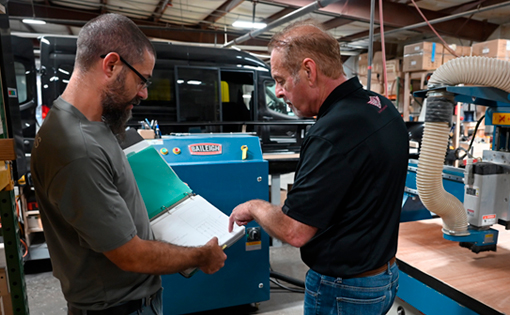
<point x="33" y="21"/>
<point x="244" y="24"/>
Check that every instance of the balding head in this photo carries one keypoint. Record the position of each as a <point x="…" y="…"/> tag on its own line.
<point x="307" y="39"/>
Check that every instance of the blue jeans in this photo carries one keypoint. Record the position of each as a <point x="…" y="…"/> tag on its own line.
<point x="364" y="296"/>
<point x="155" y="307"/>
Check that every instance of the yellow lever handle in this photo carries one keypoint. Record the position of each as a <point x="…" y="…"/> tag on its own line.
<point x="244" y="148"/>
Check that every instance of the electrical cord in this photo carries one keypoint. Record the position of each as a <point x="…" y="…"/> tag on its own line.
<point x="470" y="143"/>
<point x="285" y="287"/>
<point x="275" y="276"/>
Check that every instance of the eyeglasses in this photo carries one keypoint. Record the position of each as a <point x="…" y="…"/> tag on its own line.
<point x="146" y="82"/>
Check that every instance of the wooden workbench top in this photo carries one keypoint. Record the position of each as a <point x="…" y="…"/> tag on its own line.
<point x="484" y="277"/>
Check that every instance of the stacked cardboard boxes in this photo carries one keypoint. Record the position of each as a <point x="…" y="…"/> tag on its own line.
<point x="423" y="56"/>
<point x="375" y="84"/>
<point x="393" y="72"/>
<point x="460" y="51"/>
<point x="497" y="48"/>
<point x="362" y="64"/>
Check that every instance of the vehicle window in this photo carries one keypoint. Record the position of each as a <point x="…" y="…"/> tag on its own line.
<point x="21" y="81"/>
<point x="237" y="95"/>
<point x="161" y="101"/>
<point x="64" y="72"/>
<point x="274" y="103"/>
<point x="198" y="90"/>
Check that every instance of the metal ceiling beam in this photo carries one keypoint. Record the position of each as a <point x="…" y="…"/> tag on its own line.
<point x="104" y="3"/>
<point x="160" y="9"/>
<point x="450" y="25"/>
<point x="287" y="18"/>
<point x="336" y="22"/>
<point x="69" y="30"/>
<point x="469" y="6"/>
<point x="278" y="15"/>
<point x="220" y="12"/>
<point x="73" y="17"/>
<point x="400" y="15"/>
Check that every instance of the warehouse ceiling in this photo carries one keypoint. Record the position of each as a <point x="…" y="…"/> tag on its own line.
<point x="462" y="22"/>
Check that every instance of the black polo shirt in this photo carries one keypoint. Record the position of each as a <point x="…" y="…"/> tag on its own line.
<point x="350" y="181"/>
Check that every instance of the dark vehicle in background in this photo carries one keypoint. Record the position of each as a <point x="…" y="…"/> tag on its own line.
<point x="195" y="89"/>
<point x="25" y="72"/>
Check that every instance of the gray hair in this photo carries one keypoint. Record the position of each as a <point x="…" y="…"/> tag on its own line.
<point x="308" y="39"/>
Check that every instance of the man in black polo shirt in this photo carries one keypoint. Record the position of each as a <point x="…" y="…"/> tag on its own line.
<point x="344" y="208"/>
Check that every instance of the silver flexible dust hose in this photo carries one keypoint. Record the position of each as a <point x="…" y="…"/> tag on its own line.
<point x="474" y="70"/>
<point x="429" y="179"/>
<point x="464" y="70"/>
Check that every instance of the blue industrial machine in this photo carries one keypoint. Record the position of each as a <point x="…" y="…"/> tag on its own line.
<point x="486" y="189"/>
<point x="412" y="208"/>
<point x="226" y="170"/>
<point x="483" y="187"/>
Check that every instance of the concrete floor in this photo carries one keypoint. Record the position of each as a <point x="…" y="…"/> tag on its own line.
<point x="45" y="296"/>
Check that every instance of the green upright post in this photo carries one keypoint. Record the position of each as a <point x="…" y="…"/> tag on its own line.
<point x="13" y="255"/>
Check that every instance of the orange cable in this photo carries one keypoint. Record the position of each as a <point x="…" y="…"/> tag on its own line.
<point x="26" y="247"/>
<point x="434" y="30"/>
<point x="381" y="27"/>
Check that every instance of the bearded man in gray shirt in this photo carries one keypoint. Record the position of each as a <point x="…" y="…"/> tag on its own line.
<point x="95" y="222"/>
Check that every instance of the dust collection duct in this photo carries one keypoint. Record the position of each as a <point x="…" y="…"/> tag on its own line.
<point x="438" y="117"/>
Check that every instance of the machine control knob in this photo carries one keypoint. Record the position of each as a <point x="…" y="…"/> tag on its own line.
<point x="176" y="151"/>
<point x="254" y="234"/>
<point x="164" y="151"/>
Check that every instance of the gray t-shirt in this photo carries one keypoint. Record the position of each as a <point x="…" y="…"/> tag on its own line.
<point x="89" y="204"/>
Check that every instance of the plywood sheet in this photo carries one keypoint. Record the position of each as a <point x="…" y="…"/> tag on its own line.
<point x="484" y="277"/>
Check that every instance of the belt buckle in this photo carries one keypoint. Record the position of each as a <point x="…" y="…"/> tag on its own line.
<point x="148" y="300"/>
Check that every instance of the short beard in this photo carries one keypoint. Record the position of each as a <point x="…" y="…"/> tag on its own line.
<point x="115" y="112"/>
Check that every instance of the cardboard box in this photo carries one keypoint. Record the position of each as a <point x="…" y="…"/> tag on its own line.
<point x="393" y="66"/>
<point x="375" y="86"/>
<point x="363" y="79"/>
<point x="362" y="64"/>
<point x="459" y="50"/>
<point x="392" y="87"/>
<point x="422" y="61"/>
<point x="423" y="47"/>
<point x="497" y="48"/>
<point x="392" y="76"/>
<point x="377" y="65"/>
<point x="363" y="58"/>
<point x="447" y="58"/>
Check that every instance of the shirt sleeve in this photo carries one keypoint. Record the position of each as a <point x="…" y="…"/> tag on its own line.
<point x="322" y="179"/>
<point x="85" y="194"/>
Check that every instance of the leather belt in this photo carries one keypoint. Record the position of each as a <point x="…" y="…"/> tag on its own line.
<point x="375" y="271"/>
<point x="122" y="309"/>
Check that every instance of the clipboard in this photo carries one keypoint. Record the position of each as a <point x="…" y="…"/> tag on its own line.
<point x="177" y="215"/>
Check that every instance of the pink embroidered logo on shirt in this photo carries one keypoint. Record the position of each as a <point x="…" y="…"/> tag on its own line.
<point x="374" y="100"/>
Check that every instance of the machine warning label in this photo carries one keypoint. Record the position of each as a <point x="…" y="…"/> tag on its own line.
<point x="256" y="245"/>
<point x="470" y="212"/>
<point x="204" y="149"/>
<point x="489" y="219"/>
<point x="473" y="191"/>
<point x="501" y="118"/>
